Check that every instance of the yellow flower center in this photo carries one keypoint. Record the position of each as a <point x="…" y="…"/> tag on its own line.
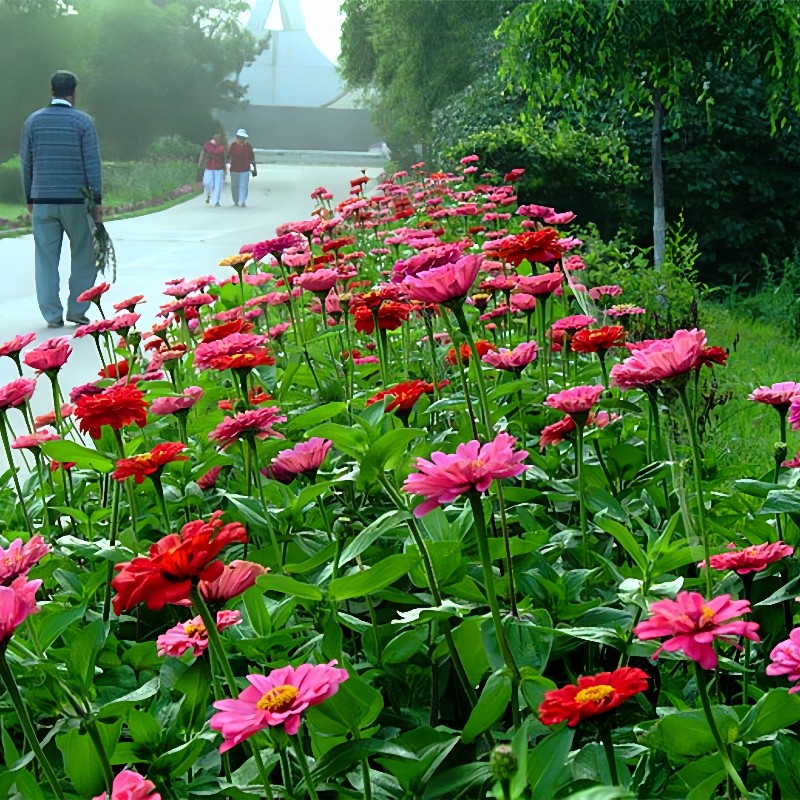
<point x="707" y="615"/>
<point x="192" y="629"/>
<point x="593" y="694"/>
<point x="277" y="699"/>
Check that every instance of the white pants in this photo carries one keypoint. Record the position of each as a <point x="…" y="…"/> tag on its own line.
<point x="212" y="183"/>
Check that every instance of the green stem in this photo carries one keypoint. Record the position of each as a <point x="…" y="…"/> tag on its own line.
<point x="108" y="772"/>
<point x="26" y="724"/>
<point x="301" y="759"/>
<point x="458" y="312"/>
<point x="14" y="476"/>
<point x="698" y="483"/>
<point x="286" y="771"/>
<point x="608" y="747"/>
<point x="541" y="325"/>
<point x="702" y="690"/>
<point x="579" y="425"/>
<point x="270" y="530"/>
<point x="220" y="661"/>
<point x="162" y="502"/>
<point x="112" y="540"/>
<point x="488" y="579"/>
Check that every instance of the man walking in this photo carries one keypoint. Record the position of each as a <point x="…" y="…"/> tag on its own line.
<point x="243" y="165"/>
<point x="60" y="160"/>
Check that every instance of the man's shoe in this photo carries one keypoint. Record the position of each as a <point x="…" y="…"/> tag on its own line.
<point x="208" y="199"/>
<point x="78" y="320"/>
<point x="57" y="324"/>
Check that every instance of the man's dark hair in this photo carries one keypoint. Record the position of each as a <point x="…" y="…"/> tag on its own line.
<point x="63" y="83"/>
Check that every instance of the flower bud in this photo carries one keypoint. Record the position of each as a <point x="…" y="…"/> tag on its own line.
<point x="503" y="762"/>
<point x="780" y="451"/>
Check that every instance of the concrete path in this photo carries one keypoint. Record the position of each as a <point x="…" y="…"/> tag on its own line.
<point x="187" y="240"/>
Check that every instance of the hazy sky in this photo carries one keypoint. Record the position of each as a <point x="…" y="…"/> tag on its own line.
<point x="323" y="22"/>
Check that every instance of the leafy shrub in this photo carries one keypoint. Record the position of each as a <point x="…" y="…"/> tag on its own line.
<point x="11" y="183"/>
<point x="172" y="148"/>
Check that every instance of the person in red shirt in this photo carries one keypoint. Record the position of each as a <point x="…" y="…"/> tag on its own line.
<point x="243" y="165"/>
<point x="212" y="162"/>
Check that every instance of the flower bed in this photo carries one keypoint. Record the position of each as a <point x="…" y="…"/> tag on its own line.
<point x="394" y="506"/>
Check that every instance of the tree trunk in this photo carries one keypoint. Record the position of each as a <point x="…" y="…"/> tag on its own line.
<point x="659" y="219"/>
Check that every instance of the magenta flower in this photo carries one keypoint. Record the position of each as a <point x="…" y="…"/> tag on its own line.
<point x="660" y="360"/>
<point x="322" y="280"/>
<point x="785" y="658"/>
<point x="694" y="624"/>
<point x="444" y="284"/>
<point x="174" y="405"/>
<point x="577" y="400"/>
<point x="13" y="347"/>
<point x="257" y="423"/>
<point x="794" y="414"/>
<point x="572" y="324"/>
<point x="17" y="392"/>
<point x="129" y="785"/>
<point x="750" y="559"/>
<point x="93" y="295"/>
<point x="207" y="355"/>
<point x="49" y="356"/>
<point x="523" y="302"/>
<point x="516" y="359"/>
<point x="472" y="468"/>
<point x="275" y="699"/>
<point x="192" y="635"/>
<point x="237" y="577"/>
<point x="19" y="557"/>
<point x="31" y="441"/>
<point x="17" y="603"/>
<point x="779" y="395"/>
<point x="302" y="458"/>
<point x="539" y="285"/>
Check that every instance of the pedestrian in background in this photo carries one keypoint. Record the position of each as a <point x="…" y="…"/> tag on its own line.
<point x="60" y="162"/>
<point x="212" y="162"/>
<point x="242" y="162"/>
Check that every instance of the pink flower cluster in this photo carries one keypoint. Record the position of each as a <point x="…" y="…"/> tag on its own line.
<point x="192" y="635"/>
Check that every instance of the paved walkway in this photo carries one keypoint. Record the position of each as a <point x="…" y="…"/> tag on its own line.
<point x="184" y="241"/>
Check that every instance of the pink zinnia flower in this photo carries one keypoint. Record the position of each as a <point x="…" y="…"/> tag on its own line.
<point x="472" y="468"/>
<point x="444" y="284"/>
<point x="322" y="280"/>
<point x="17" y="392"/>
<point x="275" y="699"/>
<point x="237" y="577"/>
<point x="577" y="400"/>
<point x="31" y="441"/>
<point x="19" y="557"/>
<point x="49" y="356"/>
<point x="523" y="302"/>
<point x="209" y="479"/>
<point x="624" y="310"/>
<point x="302" y="458"/>
<point x="209" y="355"/>
<point x="516" y="359"/>
<point x="785" y="658"/>
<point x="93" y="295"/>
<point x="539" y="285"/>
<point x="660" y="360"/>
<point x="129" y="785"/>
<point x="130" y="303"/>
<point x="13" y="347"/>
<point x="610" y="290"/>
<point x="192" y="635"/>
<point x="693" y="624"/>
<point x="17" y="603"/>
<point x="572" y="324"/>
<point x="779" y="395"/>
<point x="257" y="423"/>
<point x="557" y="431"/>
<point x="750" y="559"/>
<point x="174" y="405"/>
<point x="794" y="414"/>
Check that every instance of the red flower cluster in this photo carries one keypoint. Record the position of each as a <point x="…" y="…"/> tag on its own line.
<point x="598" y="340"/>
<point x="533" y="246"/>
<point x="405" y="395"/>
<point x="140" y="466"/>
<point x="116" y="407"/>
<point x="481" y="345"/>
<point x="391" y="316"/>
<point x="175" y="563"/>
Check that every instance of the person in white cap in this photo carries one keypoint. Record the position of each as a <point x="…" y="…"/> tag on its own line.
<point x="243" y="165"/>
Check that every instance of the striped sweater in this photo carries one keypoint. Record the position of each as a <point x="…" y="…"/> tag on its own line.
<point x="60" y="155"/>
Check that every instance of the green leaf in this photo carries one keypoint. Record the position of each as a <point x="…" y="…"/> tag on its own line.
<point x="388" y="451"/>
<point x="289" y="586"/>
<point x="179" y="760"/>
<point x="194" y="685"/>
<point x="84" y="457"/>
<point x="115" y="707"/>
<point x="369" y="581"/>
<point x="625" y="538"/>
<point x="355" y="706"/>
<point x="257" y="613"/>
<point x="687" y="733"/>
<point x="546" y="761"/>
<point x="81" y="762"/>
<point x="404" y="646"/>
<point x="775" y="710"/>
<point x="339" y="759"/>
<point x="352" y="441"/>
<point x="383" y="524"/>
<point x="491" y="705"/>
<point x="302" y="422"/>
<point x="50" y="623"/>
<point x="786" y="758"/>
<point x="84" y="647"/>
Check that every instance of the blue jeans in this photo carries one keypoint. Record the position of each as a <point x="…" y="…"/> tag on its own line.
<point x="50" y="222"/>
<point x="212" y="183"/>
<point x="240" y="182"/>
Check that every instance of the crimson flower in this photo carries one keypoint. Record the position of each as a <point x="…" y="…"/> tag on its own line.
<point x="598" y="340"/>
<point x="93" y="295"/>
<point x="693" y="624"/>
<point x="532" y="246"/>
<point x="391" y="316"/>
<point x="116" y="407"/>
<point x="175" y="563"/>
<point x="404" y="395"/>
<point x="130" y="303"/>
<point x="472" y="468"/>
<point x="593" y="695"/>
<point x="481" y="345"/>
<point x="217" y="332"/>
<point x="115" y="371"/>
<point x="140" y="466"/>
<point x="750" y="559"/>
<point x="257" y="423"/>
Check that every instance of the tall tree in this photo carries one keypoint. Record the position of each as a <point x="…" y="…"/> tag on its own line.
<point x="651" y="58"/>
<point x="411" y="56"/>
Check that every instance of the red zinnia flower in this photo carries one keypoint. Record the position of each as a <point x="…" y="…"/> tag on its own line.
<point x="175" y="563"/>
<point x="750" y="559"/>
<point x="94" y="293"/>
<point x="217" y="332"/>
<point x="405" y="395"/>
<point x="391" y="316"/>
<point x="115" y="371"/>
<point x="593" y="695"/>
<point x="481" y="345"/>
<point x="598" y="340"/>
<point x="116" y="406"/>
<point x="140" y="466"/>
<point x="530" y="246"/>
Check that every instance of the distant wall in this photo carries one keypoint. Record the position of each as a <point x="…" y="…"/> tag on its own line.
<point x="297" y="128"/>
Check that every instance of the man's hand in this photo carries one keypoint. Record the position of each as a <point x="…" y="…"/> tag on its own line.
<point x="30" y="208"/>
<point x="97" y="214"/>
